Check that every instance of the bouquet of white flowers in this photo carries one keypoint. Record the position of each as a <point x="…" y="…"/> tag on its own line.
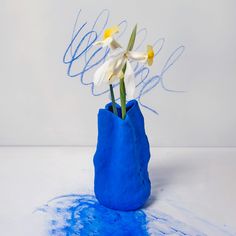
<point x="117" y="68"/>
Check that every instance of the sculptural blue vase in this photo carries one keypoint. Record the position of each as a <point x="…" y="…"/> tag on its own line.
<point x="121" y="159"/>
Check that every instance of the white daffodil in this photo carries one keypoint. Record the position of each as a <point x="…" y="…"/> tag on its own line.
<point x="111" y="70"/>
<point x="148" y="56"/>
<point x="108" y="38"/>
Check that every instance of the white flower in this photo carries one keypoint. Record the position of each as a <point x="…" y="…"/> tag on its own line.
<point x="112" y="69"/>
<point x="143" y="57"/>
<point x="108" y="38"/>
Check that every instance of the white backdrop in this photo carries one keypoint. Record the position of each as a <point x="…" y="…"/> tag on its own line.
<point x="41" y="105"/>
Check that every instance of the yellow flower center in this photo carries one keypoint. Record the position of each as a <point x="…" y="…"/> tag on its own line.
<point x="109" y="32"/>
<point x="150" y="55"/>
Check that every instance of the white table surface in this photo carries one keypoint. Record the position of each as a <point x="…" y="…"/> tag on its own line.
<point x="194" y="185"/>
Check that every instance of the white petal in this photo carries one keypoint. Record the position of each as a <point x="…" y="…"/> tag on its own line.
<point x="112" y="66"/>
<point x="117" y="53"/>
<point x="114" y="79"/>
<point x="110" y="42"/>
<point x="107" y="42"/>
<point x="119" y="64"/>
<point x="101" y="75"/>
<point x="114" y="44"/>
<point x="103" y="43"/>
<point x="129" y="81"/>
<point x="137" y="56"/>
<point x="97" y="43"/>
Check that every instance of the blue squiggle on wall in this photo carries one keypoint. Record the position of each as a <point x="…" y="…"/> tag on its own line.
<point x="73" y="214"/>
<point x="80" y="57"/>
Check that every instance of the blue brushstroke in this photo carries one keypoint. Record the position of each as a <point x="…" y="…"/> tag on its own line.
<point x="71" y="215"/>
<point x="81" y="57"/>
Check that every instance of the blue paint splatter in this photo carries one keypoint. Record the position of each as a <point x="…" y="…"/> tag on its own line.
<point x="73" y="214"/>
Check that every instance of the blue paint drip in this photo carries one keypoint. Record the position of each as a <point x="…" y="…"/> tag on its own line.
<point x="72" y="215"/>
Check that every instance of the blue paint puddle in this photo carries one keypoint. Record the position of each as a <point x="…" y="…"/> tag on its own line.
<point x="72" y="215"/>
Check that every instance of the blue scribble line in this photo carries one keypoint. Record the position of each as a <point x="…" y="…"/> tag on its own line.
<point x="80" y="57"/>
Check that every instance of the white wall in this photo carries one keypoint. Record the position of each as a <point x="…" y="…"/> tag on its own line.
<point x="41" y="105"/>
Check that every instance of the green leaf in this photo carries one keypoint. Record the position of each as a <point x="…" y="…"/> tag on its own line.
<point x="122" y="83"/>
<point x="132" y="39"/>
<point x="123" y="98"/>
<point x="124" y="69"/>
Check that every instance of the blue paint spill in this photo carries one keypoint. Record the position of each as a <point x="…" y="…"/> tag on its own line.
<point x="72" y="215"/>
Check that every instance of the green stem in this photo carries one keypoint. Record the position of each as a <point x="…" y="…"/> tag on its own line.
<point x="113" y="100"/>
<point x="123" y="98"/>
<point x="122" y="82"/>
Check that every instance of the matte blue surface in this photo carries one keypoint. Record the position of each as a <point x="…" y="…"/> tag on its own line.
<point x="121" y="159"/>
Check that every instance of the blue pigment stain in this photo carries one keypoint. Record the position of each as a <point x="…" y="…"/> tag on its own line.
<point x="72" y="215"/>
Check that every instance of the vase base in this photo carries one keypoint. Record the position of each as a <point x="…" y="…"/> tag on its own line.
<point x="126" y="205"/>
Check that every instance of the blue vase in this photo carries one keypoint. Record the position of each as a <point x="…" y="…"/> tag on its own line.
<point x="121" y="159"/>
